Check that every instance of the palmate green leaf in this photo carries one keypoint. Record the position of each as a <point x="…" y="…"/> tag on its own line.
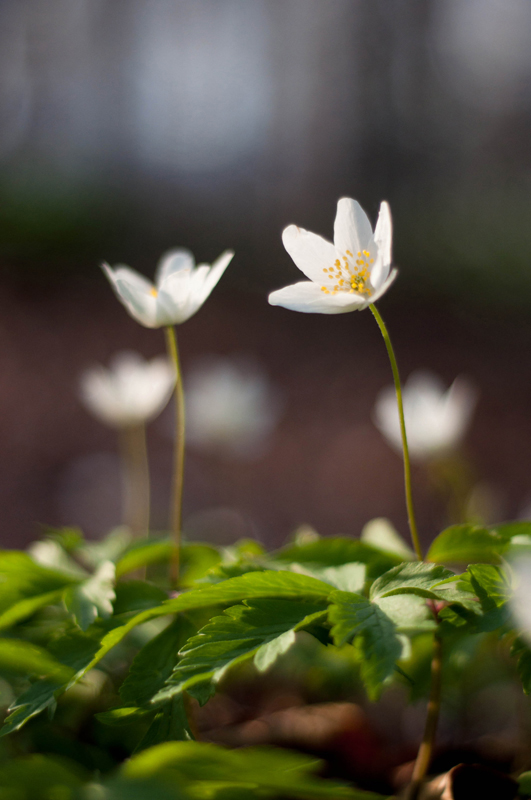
<point x="170" y="724"/>
<point x="463" y="544"/>
<point x="252" y="585"/>
<point x="491" y="585"/>
<point x="336" y="551"/>
<point x="74" y="652"/>
<point x="263" y="772"/>
<point x="93" y="597"/>
<point x="264" y="628"/>
<point x="432" y="581"/>
<point x="154" y="664"/>
<point x="354" y="617"/>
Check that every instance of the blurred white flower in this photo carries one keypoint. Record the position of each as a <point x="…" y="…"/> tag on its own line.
<point x="345" y="276"/>
<point x="231" y="407"/>
<point x="180" y="288"/>
<point x="520" y="602"/>
<point x="436" y="418"/>
<point x="130" y="392"/>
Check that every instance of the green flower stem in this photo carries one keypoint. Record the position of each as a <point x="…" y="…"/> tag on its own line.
<point x="407" y="464"/>
<point x="178" y="470"/>
<point x="135" y="479"/>
<point x="434" y="703"/>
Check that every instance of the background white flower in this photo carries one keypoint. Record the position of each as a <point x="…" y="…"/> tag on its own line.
<point x="345" y="276"/>
<point x="231" y="406"/>
<point x="130" y="392"/>
<point x="520" y="602"/>
<point x="436" y="418"/>
<point x="180" y="288"/>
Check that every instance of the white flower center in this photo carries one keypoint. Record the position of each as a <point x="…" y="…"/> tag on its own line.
<point x="349" y="275"/>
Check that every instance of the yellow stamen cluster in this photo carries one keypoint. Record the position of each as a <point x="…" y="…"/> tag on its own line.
<point x="350" y="277"/>
<point x="153" y="292"/>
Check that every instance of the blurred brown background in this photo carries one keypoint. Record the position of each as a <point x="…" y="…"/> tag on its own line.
<point x="128" y="127"/>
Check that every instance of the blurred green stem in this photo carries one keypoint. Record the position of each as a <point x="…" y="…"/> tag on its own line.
<point x="425" y="753"/>
<point x="178" y="469"/>
<point x="135" y="479"/>
<point x="407" y="464"/>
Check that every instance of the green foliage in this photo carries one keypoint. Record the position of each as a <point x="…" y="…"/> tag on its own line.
<point x="336" y="551"/>
<point x="461" y="544"/>
<point x="92" y="597"/>
<point x="264" y="628"/>
<point x="204" y="770"/>
<point x="154" y="663"/>
<point x="354" y="617"/>
<point x="38" y="777"/>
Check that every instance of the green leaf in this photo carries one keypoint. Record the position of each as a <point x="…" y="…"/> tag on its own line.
<point x="29" y="659"/>
<point x="124" y="715"/>
<point x="336" y="551"/>
<point x="74" y="651"/>
<point x="354" y="617"/>
<point x="261" y="771"/>
<point x="381" y="534"/>
<point x="409" y="613"/>
<point x="49" y="553"/>
<point x="38" y="697"/>
<point x="27" y="607"/>
<point x="522" y="653"/>
<point x="462" y="544"/>
<point x="347" y="577"/>
<point x="38" y="777"/>
<point x="93" y="597"/>
<point x="524" y="784"/>
<point x="21" y="577"/>
<point x="154" y="664"/>
<point x="170" y="724"/>
<point x="252" y="585"/>
<point x="416" y="578"/>
<point x="137" y="596"/>
<point x="263" y="627"/>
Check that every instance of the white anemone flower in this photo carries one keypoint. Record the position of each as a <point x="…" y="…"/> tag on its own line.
<point x="348" y="275"/>
<point x="131" y="392"/>
<point x="231" y="407"/>
<point x="180" y="287"/>
<point x="436" y="418"/>
<point x="520" y="602"/>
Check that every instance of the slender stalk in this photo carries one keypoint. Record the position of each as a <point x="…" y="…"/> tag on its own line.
<point x="434" y="703"/>
<point x="135" y="470"/>
<point x="178" y="470"/>
<point x="407" y="465"/>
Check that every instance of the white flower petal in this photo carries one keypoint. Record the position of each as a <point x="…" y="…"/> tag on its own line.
<point x="173" y="261"/>
<point x="130" y="392"/>
<point x="141" y="304"/>
<point x="311" y="253"/>
<point x="384" y="287"/>
<point x="216" y="271"/>
<point x="383" y="235"/>
<point x="352" y="229"/>
<point x="307" y="297"/>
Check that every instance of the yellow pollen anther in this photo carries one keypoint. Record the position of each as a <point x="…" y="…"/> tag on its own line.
<point x="153" y="292"/>
<point x="349" y="253"/>
<point x="337" y="262"/>
<point x="366" y="253"/>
